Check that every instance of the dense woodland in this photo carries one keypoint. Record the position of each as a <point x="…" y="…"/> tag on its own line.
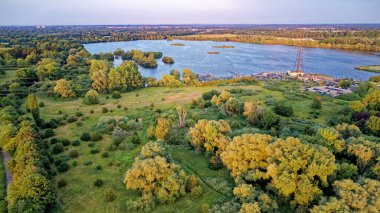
<point x="83" y="134"/>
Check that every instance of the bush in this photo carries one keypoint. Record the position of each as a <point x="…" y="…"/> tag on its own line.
<point x="135" y="138"/>
<point x="75" y="143"/>
<point x="283" y="109"/>
<point x="85" y="137"/>
<point x="168" y="60"/>
<point x="317" y="103"/>
<point x="207" y="96"/>
<point x="72" y="119"/>
<point x="204" y="208"/>
<point x="65" y="142"/>
<point x="87" y="162"/>
<point x="91" y="97"/>
<point x="268" y="119"/>
<point x="99" y="183"/>
<point x="73" y="153"/>
<point x="53" y="141"/>
<point x="63" y="167"/>
<point x="104" y="110"/>
<point x="234" y="106"/>
<point x="61" y="183"/>
<point x="116" y="95"/>
<point x="41" y="104"/>
<point x="79" y="114"/>
<point x="94" y="151"/>
<point x="192" y="181"/>
<point x="190" y="123"/>
<point x="105" y="155"/>
<point x="57" y="148"/>
<point x="47" y="133"/>
<point x="196" y="192"/>
<point x="110" y="195"/>
<point x="215" y="163"/>
<point x="96" y="137"/>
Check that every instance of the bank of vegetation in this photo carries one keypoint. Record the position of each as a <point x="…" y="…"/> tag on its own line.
<point x="369" y="68"/>
<point x="345" y="42"/>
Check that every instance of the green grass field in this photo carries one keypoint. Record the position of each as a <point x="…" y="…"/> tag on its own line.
<point x="81" y="196"/>
<point x="370" y="68"/>
<point x="10" y="74"/>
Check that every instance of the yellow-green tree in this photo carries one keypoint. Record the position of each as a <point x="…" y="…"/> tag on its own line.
<point x="162" y="128"/>
<point x="362" y="196"/>
<point x="91" y="97"/>
<point x="47" y="69"/>
<point x="210" y="136"/>
<point x="225" y="95"/>
<point x="347" y="130"/>
<point x="170" y="81"/>
<point x="250" y="197"/>
<point x="297" y="169"/>
<point x="252" y="111"/>
<point x="372" y="100"/>
<point x="364" y="151"/>
<point x="246" y="156"/>
<point x="215" y="100"/>
<point x="63" y="89"/>
<point x="155" y="176"/>
<point x="98" y="74"/>
<point x="331" y="139"/>
<point x="373" y="124"/>
<point x="134" y="80"/>
<point x="32" y="105"/>
<point x="117" y="79"/>
<point x="189" y="78"/>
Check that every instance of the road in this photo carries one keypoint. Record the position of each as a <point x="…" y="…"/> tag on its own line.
<point x="8" y="174"/>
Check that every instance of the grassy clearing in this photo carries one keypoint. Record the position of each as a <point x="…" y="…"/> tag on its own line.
<point x="370" y="68"/>
<point x="3" y="202"/>
<point x="80" y="195"/>
<point x="10" y="74"/>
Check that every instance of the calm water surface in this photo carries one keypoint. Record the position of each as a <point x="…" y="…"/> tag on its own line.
<point x="244" y="58"/>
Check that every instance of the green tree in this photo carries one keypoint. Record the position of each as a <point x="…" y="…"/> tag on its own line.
<point x="268" y="119"/>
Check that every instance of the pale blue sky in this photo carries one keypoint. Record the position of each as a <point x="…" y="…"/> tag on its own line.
<point x="62" y="12"/>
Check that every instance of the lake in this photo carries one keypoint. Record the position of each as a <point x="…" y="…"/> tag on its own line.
<point x="244" y="59"/>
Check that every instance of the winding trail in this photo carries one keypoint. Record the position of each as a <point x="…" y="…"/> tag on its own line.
<point x="8" y="174"/>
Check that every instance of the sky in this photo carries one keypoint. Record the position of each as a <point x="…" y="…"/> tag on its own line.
<point x="78" y="12"/>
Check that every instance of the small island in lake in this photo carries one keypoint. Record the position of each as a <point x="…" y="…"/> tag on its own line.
<point x="168" y="60"/>
<point x="212" y="53"/>
<point x="177" y="44"/>
<point x="369" y="68"/>
<point x="224" y="47"/>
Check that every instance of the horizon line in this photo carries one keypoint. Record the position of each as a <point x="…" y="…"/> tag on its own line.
<point x="201" y="24"/>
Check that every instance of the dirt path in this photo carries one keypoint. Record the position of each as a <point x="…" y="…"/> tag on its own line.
<point x="8" y="174"/>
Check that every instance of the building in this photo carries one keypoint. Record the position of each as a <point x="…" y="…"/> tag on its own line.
<point x="296" y="73"/>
